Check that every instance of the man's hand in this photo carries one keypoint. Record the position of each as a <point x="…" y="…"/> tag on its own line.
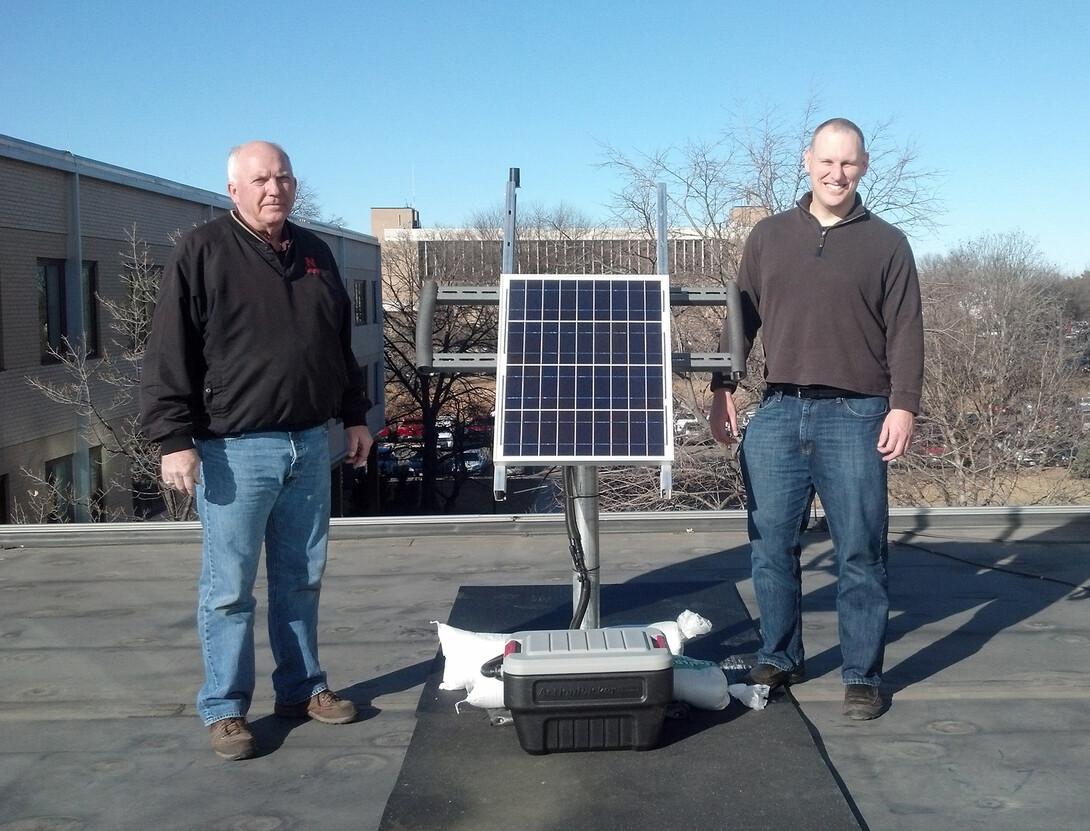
<point x="723" y="418"/>
<point x="181" y="471"/>
<point x="359" y="444"/>
<point x="896" y="434"/>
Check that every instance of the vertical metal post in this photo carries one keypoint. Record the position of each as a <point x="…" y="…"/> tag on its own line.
<point x="584" y="498"/>
<point x="662" y="255"/>
<point x="508" y="266"/>
<point x="662" y="265"/>
<point x="77" y="301"/>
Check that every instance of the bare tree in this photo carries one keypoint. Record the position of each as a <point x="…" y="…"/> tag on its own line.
<point x="309" y="206"/>
<point x="457" y="258"/>
<point x="718" y="188"/>
<point x="1076" y="293"/>
<point x="704" y="474"/>
<point x="103" y="390"/>
<point x="1000" y="391"/>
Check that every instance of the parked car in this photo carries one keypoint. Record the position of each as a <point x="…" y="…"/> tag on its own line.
<point x="444" y="438"/>
<point x="686" y="425"/>
<point x="480" y="425"/>
<point x="934" y="455"/>
<point x="399" y="461"/>
<point x="1062" y="456"/>
<point x="1031" y="457"/>
<point x="410" y="428"/>
<point x="476" y="462"/>
<point x="385" y="459"/>
<point x="477" y="433"/>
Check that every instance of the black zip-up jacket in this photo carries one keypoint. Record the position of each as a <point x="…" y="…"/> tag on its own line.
<point x="837" y="307"/>
<point x="245" y="339"/>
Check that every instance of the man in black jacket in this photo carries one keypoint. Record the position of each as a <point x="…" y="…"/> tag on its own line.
<point x="248" y="360"/>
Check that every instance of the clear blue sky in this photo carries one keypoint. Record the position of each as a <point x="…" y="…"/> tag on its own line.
<point x="429" y="103"/>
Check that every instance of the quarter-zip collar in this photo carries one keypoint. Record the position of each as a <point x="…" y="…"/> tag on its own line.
<point x="279" y="256"/>
<point x="857" y="212"/>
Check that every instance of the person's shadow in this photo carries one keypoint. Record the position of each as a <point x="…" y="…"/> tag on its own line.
<point x="271" y="730"/>
<point x="1004" y="590"/>
<point x="992" y="581"/>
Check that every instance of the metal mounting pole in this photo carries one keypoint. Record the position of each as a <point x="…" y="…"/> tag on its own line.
<point x="507" y="266"/>
<point x="662" y="250"/>
<point x="508" y="262"/>
<point x="584" y="496"/>
<point x="662" y="264"/>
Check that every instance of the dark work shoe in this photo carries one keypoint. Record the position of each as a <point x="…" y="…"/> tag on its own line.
<point x="326" y="707"/>
<point x="232" y="739"/>
<point x="862" y="702"/>
<point x="773" y="677"/>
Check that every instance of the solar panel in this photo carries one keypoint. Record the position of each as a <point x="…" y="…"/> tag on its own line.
<point x="583" y="370"/>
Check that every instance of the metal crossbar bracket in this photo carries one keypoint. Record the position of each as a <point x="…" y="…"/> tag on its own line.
<point x="481" y="363"/>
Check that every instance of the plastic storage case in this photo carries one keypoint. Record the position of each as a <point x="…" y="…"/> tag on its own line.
<point x="588" y="689"/>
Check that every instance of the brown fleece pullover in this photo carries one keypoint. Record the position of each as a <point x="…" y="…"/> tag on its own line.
<point x="837" y="306"/>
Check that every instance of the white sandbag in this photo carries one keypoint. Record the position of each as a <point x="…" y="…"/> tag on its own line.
<point x="678" y="632"/>
<point x="486" y="693"/>
<point x="701" y="684"/>
<point x="692" y="625"/>
<point x="464" y="652"/>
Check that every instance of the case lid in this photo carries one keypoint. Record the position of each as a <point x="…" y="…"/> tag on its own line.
<point x="587" y="651"/>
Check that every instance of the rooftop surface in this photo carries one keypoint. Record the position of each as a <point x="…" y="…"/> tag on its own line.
<point x="988" y="724"/>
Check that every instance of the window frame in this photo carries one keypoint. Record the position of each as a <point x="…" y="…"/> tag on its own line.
<point x="359" y="302"/>
<point x="54" y="287"/>
<point x="61" y="501"/>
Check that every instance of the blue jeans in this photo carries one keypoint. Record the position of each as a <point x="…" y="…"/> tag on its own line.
<point x="271" y="487"/>
<point x="793" y="448"/>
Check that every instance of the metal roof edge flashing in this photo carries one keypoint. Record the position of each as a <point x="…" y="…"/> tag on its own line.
<point x="1046" y="522"/>
<point x="997" y="522"/>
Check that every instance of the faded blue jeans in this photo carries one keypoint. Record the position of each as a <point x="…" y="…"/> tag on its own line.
<point x="792" y="448"/>
<point x="271" y="487"/>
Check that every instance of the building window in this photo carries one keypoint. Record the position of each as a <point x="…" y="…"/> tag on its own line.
<point x="2" y="333"/>
<point x="89" y="276"/>
<point x="53" y="292"/>
<point x="359" y="302"/>
<point x="365" y="371"/>
<point x="5" y="517"/>
<point x="142" y="279"/>
<point x="376" y="305"/>
<point x="51" y="311"/>
<point x="98" y="484"/>
<point x="58" y="478"/>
